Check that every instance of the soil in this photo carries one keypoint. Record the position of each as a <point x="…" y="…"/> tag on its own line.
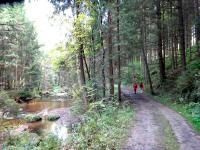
<point x="157" y="127"/>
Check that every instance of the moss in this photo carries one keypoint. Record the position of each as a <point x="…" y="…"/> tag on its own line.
<point x="53" y="117"/>
<point x="33" y="118"/>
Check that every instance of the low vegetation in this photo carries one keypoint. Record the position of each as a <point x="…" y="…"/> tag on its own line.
<point x="28" y="141"/>
<point x="105" y="126"/>
<point x="53" y="117"/>
<point x="33" y="118"/>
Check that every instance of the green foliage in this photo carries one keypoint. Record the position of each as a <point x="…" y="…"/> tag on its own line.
<point x="35" y="92"/>
<point x="50" y="142"/>
<point x="32" y="118"/>
<point x="185" y="84"/>
<point x="28" y="141"/>
<point x="194" y="110"/>
<point x="104" y="127"/>
<point x="53" y="117"/>
<point x="7" y="104"/>
<point x="188" y="83"/>
<point x="23" y="141"/>
<point x="24" y="94"/>
<point x="19" y="48"/>
<point x="132" y="69"/>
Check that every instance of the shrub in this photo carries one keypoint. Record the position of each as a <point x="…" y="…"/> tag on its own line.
<point x="188" y="86"/>
<point x="7" y="104"/>
<point x="32" y="118"/>
<point x="24" y="94"/>
<point x="23" y="141"/>
<point x="194" y="110"/>
<point x="50" y="142"/>
<point x="53" y="117"/>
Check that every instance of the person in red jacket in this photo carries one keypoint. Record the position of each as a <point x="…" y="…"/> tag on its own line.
<point x="141" y="87"/>
<point x="135" y="86"/>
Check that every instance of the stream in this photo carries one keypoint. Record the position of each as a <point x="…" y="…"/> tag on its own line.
<point x="43" y="107"/>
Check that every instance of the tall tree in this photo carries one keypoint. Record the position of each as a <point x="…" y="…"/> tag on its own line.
<point x="160" y="44"/>
<point x="110" y="50"/>
<point x="182" y="34"/>
<point x="143" y="42"/>
<point x="118" y="50"/>
<point x="60" y="6"/>
<point x="197" y="27"/>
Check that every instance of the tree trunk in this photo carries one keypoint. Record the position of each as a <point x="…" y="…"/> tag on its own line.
<point x="172" y="35"/>
<point x="181" y="34"/>
<point x="86" y="66"/>
<point x="103" y="56"/>
<point x="110" y="54"/>
<point x="143" y="40"/>
<point x="160" y="55"/>
<point x="80" y="68"/>
<point x="118" y="50"/>
<point x="93" y="56"/>
<point x="197" y="15"/>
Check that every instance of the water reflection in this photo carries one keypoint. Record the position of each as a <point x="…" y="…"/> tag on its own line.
<point x="37" y="106"/>
<point x="44" y="126"/>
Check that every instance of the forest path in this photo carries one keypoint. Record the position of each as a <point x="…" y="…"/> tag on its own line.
<point x="157" y="127"/>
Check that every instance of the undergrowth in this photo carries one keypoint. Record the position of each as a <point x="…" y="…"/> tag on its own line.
<point x="105" y="126"/>
<point x="27" y="141"/>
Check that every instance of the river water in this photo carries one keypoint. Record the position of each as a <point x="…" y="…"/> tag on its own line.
<point x="34" y="107"/>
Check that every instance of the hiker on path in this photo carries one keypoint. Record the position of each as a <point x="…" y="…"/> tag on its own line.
<point x="141" y="87"/>
<point x="135" y="86"/>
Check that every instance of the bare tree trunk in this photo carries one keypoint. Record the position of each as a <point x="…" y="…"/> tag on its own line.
<point x="103" y="56"/>
<point x="110" y="53"/>
<point x="172" y="36"/>
<point x="82" y="75"/>
<point x="86" y="66"/>
<point x="143" y="38"/>
<point x="197" y="14"/>
<point x="118" y="50"/>
<point x="182" y="34"/>
<point x="93" y="57"/>
<point x="176" y="50"/>
<point x="160" y="55"/>
<point x="80" y="68"/>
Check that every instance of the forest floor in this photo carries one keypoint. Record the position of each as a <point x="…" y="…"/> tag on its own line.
<point x="157" y="127"/>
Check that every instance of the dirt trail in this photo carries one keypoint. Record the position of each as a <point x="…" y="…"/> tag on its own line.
<point x="156" y="127"/>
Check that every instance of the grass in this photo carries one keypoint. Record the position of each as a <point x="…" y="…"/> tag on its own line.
<point x="168" y="138"/>
<point x="182" y="109"/>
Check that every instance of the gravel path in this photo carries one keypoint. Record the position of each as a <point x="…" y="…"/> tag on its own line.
<point x="156" y="127"/>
